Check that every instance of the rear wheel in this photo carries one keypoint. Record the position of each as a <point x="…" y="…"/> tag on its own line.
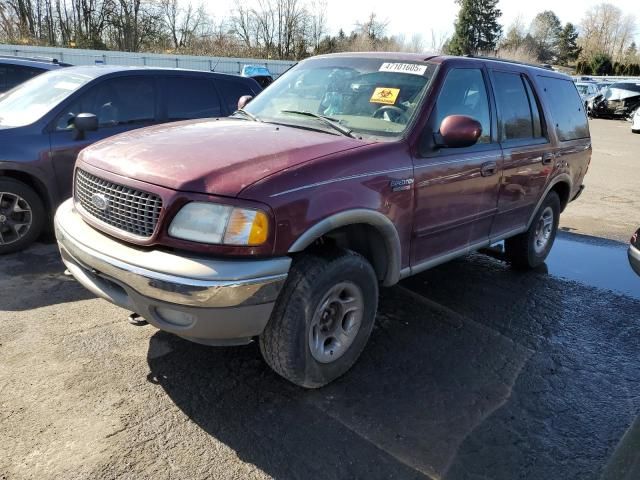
<point x="531" y="248"/>
<point x="322" y="319"/>
<point x="22" y="215"/>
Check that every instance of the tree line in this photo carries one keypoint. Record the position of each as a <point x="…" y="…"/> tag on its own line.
<point x="293" y="29"/>
<point x="602" y="44"/>
<point x="276" y="29"/>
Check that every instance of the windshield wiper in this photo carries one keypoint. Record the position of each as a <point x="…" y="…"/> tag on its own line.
<point x="248" y="115"/>
<point x="326" y="120"/>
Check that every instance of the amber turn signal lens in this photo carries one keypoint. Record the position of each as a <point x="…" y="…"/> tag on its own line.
<point x="247" y="227"/>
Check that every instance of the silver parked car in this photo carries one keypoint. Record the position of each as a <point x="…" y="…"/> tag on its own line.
<point x="588" y="91"/>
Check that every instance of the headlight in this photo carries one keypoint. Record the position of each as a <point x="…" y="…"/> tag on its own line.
<point x="220" y="224"/>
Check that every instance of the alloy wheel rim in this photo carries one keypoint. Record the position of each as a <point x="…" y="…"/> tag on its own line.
<point x="336" y="322"/>
<point x="543" y="232"/>
<point x="16" y="218"/>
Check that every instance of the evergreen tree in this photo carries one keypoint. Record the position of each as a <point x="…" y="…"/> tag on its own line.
<point x="601" y="64"/>
<point x="631" y="54"/>
<point x="568" y="49"/>
<point x="477" y="29"/>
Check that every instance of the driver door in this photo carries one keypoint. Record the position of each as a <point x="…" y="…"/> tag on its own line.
<point x="456" y="188"/>
<point x="121" y="104"/>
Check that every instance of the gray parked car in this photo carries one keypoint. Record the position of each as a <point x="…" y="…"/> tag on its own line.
<point x="46" y="121"/>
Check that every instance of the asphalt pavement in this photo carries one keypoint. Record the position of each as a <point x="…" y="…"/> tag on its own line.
<point x="473" y="371"/>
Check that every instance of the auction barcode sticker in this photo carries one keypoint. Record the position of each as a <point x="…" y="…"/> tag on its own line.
<point x="411" y="68"/>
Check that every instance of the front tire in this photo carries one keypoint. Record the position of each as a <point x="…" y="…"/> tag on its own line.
<point x="22" y="215"/>
<point x="322" y="319"/>
<point x="531" y="248"/>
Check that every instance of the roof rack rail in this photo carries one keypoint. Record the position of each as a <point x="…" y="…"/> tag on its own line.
<point x="35" y="58"/>
<point x="546" y="66"/>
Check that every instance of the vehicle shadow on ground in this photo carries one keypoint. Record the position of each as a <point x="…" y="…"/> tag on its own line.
<point x="426" y="380"/>
<point x="35" y="278"/>
<point x="473" y="368"/>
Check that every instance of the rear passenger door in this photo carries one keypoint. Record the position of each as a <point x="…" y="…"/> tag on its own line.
<point x="569" y="121"/>
<point x="190" y="97"/>
<point x="527" y="157"/>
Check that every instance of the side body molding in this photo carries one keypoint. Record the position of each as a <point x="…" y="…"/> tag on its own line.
<point x="363" y="216"/>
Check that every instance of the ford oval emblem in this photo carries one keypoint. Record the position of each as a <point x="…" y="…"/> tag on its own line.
<point x="99" y="201"/>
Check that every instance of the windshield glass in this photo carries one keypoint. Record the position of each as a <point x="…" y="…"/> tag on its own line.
<point x="583" y="89"/>
<point x="367" y="96"/>
<point x="29" y="101"/>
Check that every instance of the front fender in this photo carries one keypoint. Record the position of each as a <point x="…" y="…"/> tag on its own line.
<point x="377" y="220"/>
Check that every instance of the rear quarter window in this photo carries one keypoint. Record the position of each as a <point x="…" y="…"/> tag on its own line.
<point x="566" y="107"/>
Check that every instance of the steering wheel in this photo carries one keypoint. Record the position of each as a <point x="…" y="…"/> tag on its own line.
<point x="391" y="113"/>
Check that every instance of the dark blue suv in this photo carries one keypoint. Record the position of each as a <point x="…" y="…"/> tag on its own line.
<point x="15" y="70"/>
<point x="47" y="120"/>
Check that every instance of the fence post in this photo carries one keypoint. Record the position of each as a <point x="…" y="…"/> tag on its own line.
<point x="104" y="58"/>
<point x="239" y="69"/>
<point x="177" y="62"/>
<point x="144" y="60"/>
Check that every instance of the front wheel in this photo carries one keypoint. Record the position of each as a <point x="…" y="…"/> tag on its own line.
<point x="322" y="319"/>
<point x="22" y="215"/>
<point x="531" y="248"/>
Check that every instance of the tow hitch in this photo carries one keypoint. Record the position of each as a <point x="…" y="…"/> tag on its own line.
<point x="137" y="320"/>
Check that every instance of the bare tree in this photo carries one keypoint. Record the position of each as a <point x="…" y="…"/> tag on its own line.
<point x="606" y="30"/>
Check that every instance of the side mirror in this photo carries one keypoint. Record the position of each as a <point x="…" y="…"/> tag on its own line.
<point x="84" y="122"/>
<point x="458" y="131"/>
<point x="243" y="101"/>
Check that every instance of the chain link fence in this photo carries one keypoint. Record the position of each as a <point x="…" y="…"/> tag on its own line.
<point x="100" y="57"/>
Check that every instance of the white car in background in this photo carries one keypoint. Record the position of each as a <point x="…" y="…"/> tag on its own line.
<point x="635" y="121"/>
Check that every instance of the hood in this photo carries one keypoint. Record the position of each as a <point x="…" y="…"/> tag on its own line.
<point x="218" y="157"/>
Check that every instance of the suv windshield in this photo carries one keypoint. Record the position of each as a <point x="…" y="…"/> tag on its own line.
<point x="365" y="96"/>
<point x="29" y="101"/>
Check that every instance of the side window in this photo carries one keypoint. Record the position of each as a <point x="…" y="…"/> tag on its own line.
<point x="232" y="91"/>
<point x="191" y="98"/>
<point x="519" y="113"/>
<point x="566" y="108"/>
<point x="4" y="78"/>
<point x="12" y="75"/>
<point x="116" y="101"/>
<point x="464" y="93"/>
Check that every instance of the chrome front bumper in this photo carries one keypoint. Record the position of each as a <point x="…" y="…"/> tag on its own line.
<point x="205" y="300"/>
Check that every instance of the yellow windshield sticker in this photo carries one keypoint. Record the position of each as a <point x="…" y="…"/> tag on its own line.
<point x="388" y="96"/>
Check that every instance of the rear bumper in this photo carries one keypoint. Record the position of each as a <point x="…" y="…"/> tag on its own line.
<point x="204" y="300"/>
<point x="634" y="259"/>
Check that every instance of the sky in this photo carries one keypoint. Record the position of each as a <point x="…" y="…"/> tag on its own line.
<point x="425" y="16"/>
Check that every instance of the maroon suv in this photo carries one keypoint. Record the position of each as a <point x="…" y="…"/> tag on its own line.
<point x="351" y="171"/>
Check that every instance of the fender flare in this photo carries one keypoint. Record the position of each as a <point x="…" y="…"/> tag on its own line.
<point x="561" y="178"/>
<point x="49" y="188"/>
<point x="377" y="220"/>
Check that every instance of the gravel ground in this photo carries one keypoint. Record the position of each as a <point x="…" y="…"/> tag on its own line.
<point x="473" y="371"/>
<point x="610" y="204"/>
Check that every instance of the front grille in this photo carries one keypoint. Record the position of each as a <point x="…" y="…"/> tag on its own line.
<point x="125" y="208"/>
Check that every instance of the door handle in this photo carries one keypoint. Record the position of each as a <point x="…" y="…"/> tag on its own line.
<point x="547" y="158"/>
<point x="489" y="168"/>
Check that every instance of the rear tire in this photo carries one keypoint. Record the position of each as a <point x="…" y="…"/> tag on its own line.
<point x="22" y="215"/>
<point x="531" y="248"/>
<point x="322" y="319"/>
